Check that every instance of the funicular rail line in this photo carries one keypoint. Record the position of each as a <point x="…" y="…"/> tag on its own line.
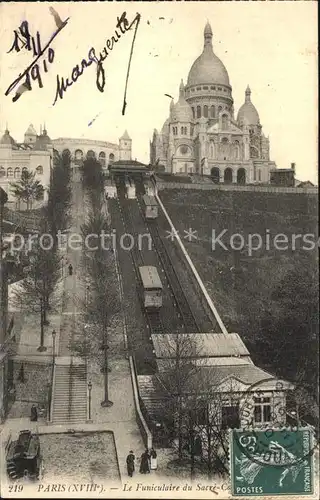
<point x="154" y="320"/>
<point x="188" y="318"/>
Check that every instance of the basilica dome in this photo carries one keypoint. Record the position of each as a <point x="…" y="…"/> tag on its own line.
<point x="207" y="68"/>
<point x="248" y="113"/>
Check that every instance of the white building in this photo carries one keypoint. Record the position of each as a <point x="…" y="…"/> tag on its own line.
<point x="34" y="154"/>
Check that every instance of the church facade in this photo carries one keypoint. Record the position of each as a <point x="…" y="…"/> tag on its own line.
<point x="201" y="134"/>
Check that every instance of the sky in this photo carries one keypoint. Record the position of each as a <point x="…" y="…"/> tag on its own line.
<point x="272" y="46"/>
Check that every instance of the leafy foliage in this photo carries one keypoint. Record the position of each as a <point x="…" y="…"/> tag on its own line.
<point x="27" y="188"/>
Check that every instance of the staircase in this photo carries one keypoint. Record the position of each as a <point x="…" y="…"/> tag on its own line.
<point x="69" y="404"/>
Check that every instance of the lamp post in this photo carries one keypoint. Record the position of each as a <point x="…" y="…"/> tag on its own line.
<point x="53" y="346"/>
<point x="89" y="400"/>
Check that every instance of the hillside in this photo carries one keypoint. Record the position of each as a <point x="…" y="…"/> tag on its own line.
<point x="244" y="287"/>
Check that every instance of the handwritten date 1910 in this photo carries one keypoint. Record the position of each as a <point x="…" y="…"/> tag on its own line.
<point x="24" y="40"/>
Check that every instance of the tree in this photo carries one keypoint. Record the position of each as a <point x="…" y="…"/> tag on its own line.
<point x="57" y="210"/>
<point x="177" y="371"/>
<point x="39" y="286"/>
<point x="103" y="301"/>
<point x="27" y="188"/>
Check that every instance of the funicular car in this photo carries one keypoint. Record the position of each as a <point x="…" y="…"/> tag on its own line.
<point x="150" y="207"/>
<point x="151" y="288"/>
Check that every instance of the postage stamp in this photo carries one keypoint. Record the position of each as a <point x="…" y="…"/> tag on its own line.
<point x="262" y="464"/>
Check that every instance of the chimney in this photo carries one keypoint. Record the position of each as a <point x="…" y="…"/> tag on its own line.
<point x="293" y="167"/>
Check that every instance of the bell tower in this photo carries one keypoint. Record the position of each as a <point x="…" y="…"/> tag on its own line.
<point x="125" y="147"/>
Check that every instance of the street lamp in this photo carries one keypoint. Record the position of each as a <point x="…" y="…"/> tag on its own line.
<point x="53" y="346"/>
<point x="89" y="400"/>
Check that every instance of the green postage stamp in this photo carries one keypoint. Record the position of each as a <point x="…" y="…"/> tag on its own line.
<point x="272" y="462"/>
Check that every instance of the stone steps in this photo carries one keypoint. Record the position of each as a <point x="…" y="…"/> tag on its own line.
<point x="70" y="394"/>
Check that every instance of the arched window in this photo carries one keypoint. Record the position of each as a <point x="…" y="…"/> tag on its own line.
<point x="24" y="169"/>
<point x="205" y="111"/>
<point x="78" y="155"/>
<point x="215" y="175"/>
<point x="17" y="173"/>
<point x="102" y="158"/>
<point x="211" y="150"/>
<point x="66" y="152"/>
<point x="213" y="112"/>
<point x="228" y="175"/>
<point x="39" y="170"/>
<point x="198" y="111"/>
<point x="111" y="158"/>
<point x="193" y="112"/>
<point x="186" y="168"/>
<point x="91" y="154"/>
<point x="219" y="109"/>
<point x="182" y="130"/>
<point x="225" y="148"/>
<point x="241" y="176"/>
<point x="224" y="122"/>
<point x="259" y="175"/>
<point x="2" y="172"/>
<point x="236" y="150"/>
<point x="9" y="172"/>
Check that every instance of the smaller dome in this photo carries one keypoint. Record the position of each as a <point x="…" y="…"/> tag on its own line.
<point x="248" y="113"/>
<point x="165" y="127"/>
<point x="181" y="111"/>
<point x="6" y="139"/>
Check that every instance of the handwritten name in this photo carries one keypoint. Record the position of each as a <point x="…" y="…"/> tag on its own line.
<point x="23" y="40"/>
<point x="122" y="26"/>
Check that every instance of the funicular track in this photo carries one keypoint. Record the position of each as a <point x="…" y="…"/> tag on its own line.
<point x="187" y="316"/>
<point x="154" y="319"/>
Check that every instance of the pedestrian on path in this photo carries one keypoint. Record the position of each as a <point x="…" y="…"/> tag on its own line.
<point x="34" y="414"/>
<point x="70" y="269"/>
<point x="130" y="463"/>
<point x="153" y="459"/>
<point x="145" y="462"/>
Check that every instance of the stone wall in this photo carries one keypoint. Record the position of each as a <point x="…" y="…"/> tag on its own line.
<point x="37" y="378"/>
<point x="235" y="187"/>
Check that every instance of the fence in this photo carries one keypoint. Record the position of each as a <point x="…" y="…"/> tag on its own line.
<point x="231" y="187"/>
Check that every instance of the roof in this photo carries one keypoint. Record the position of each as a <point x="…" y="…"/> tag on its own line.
<point x="199" y="345"/>
<point x="150" y="200"/>
<point x="128" y="163"/>
<point x="30" y="130"/>
<point x="7" y="139"/>
<point x="208" y="68"/>
<point x="150" y="277"/>
<point x="125" y="136"/>
<point x="283" y="170"/>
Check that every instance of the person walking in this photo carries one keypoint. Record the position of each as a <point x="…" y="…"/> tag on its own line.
<point x="153" y="459"/>
<point x="144" y="463"/>
<point x="34" y="414"/>
<point x="70" y="269"/>
<point x="130" y="463"/>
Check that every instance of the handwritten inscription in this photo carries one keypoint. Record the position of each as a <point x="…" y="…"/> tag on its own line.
<point x="43" y="57"/>
<point x="122" y="26"/>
